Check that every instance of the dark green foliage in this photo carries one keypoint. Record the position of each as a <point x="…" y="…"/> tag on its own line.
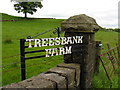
<point x="8" y="41"/>
<point x="27" y="7"/>
<point x="112" y="30"/>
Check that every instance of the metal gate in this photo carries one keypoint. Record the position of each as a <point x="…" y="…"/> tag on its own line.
<point x="110" y="61"/>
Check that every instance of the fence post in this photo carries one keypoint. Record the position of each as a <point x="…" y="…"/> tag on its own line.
<point x="22" y="56"/>
<point x="118" y="49"/>
<point x="98" y="52"/>
<point x="111" y="58"/>
<point x="82" y="53"/>
<point x="108" y="45"/>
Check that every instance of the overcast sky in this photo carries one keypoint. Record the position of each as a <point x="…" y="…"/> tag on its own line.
<point x="104" y="11"/>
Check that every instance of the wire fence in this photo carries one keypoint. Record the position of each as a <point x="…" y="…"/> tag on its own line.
<point x="110" y="62"/>
<point x="10" y="56"/>
<point x="18" y="68"/>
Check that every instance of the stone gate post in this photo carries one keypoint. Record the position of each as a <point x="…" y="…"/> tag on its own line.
<point x="83" y="53"/>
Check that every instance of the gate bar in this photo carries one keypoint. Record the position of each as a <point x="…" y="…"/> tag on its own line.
<point x="22" y="56"/>
<point x="104" y="68"/>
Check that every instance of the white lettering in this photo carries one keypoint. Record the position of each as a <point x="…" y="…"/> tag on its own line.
<point x="29" y="41"/>
<point x="51" y="43"/>
<point x="80" y="39"/>
<point x="48" y="51"/>
<point x="54" y="52"/>
<point x="57" y="41"/>
<point x="62" y="50"/>
<point x="75" y="39"/>
<point x="63" y="40"/>
<point x="37" y="43"/>
<point x="44" y="43"/>
<point x="68" y="50"/>
<point x="69" y="40"/>
<point x="54" y="41"/>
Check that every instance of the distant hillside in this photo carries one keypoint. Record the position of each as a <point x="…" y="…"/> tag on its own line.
<point x="6" y="17"/>
<point x="10" y="17"/>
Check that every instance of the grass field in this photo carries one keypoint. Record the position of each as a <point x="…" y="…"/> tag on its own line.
<point x="12" y="31"/>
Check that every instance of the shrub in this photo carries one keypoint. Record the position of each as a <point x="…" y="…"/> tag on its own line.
<point x="8" y="41"/>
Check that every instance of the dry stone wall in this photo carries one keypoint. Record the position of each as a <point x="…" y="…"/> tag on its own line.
<point x="63" y="76"/>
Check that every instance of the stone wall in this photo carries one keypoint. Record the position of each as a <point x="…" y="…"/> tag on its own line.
<point x="64" y="76"/>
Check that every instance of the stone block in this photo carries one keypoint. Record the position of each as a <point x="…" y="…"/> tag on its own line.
<point x="37" y="82"/>
<point x="73" y="66"/>
<point x="77" y="58"/>
<point x="67" y="58"/>
<point x="14" y="86"/>
<point x="80" y="23"/>
<point x="88" y="83"/>
<point x="86" y="78"/>
<point x="66" y="72"/>
<point x="88" y="67"/>
<point x="59" y="80"/>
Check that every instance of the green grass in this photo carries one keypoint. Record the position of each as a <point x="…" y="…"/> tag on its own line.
<point x="100" y="80"/>
<point x="107" y="37"/>
<point x="13" y="31"/>
<point x="10" y="17"/>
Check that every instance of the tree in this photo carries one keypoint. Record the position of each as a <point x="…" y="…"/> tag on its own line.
<point x="27" y="7"/>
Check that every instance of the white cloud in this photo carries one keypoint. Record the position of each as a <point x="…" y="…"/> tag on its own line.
<point x="104" y="11"/>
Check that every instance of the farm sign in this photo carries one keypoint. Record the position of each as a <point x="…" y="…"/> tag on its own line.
<point x="38" y="43"/>
<point x="55" y="41"/>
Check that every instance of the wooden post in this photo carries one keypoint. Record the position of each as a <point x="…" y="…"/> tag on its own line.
<point x="108" y="45"/>
<point x="98" y="52"/>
